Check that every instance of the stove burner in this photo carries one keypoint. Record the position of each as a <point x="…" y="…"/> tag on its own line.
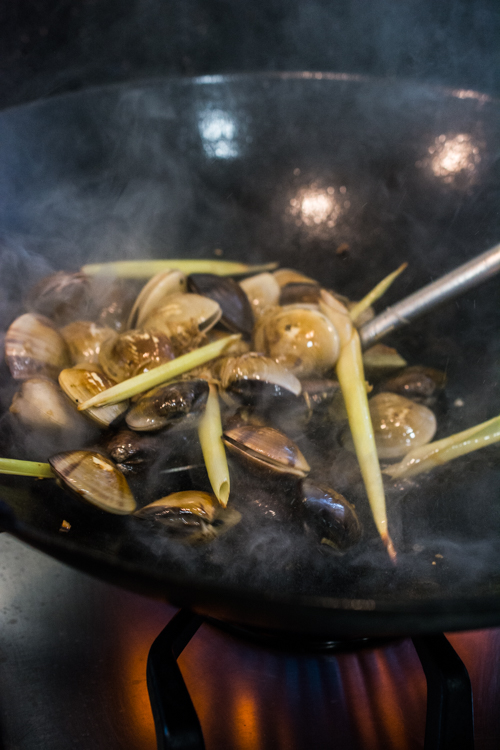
<point x="449" y="720"/>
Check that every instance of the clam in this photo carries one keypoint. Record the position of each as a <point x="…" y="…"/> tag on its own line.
<point x="154" y="294"/>
<point x="258" y="380"/>
<point x="262" y="290"/>
<point x="33" y="346"/>
<point x="40" y="404"/>
<point x="167" y="404"/>
<point x="191" y="516"/>
<point x="300" y="337"/>
<point x="184" y="318"/>
<point x="62" y="296"/>
<point x="265" y="449"/>
<point x="84" y="339"/>
<point x="127" y="354"/>
<point x="95" y="478"/>
<point x="237" y="315"/>
<point x="399" y="424"/>
<point x="329" y="517"/>
<point x="82" y="382"/>
<point x="417" y="383"/>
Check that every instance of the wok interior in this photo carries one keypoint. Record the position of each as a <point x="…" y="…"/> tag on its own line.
<point x="342" y="178"/>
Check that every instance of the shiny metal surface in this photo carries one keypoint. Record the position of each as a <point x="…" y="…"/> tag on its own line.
<point x="463" y="278"/>
<point x="73" y="675"/>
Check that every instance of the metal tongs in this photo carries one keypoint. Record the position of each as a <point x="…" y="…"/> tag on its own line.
<point x="449" y="286"/>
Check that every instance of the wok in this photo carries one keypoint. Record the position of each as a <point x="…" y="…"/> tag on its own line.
<point x="342" y="177"/>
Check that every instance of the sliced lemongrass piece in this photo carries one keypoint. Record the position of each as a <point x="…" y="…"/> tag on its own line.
<point x="440" y="452"/>
<point x="158" y="375"/>
<point x="352" y="383"/>
<point x="381" y="358"/>
<point x="25" y="468"/>
<point x="145" y="269"/>
<point x="375" y="293"/>
<point x="214" y="453"/>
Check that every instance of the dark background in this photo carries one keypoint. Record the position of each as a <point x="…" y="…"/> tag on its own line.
<point x="50" y="46"/>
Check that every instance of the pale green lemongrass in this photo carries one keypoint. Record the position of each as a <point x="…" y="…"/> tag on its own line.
<point x="158" y="375"/>
<point x="440" y="452"/>
<point x="375" y="293"/>
<point x="145" y="269"/>
<point x="381" y="358"/>
<point x="25" y="468"/>
<point x="214" y="453"/>
<point x="352" y="383"/>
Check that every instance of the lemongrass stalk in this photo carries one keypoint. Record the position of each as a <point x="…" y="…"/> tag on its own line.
<point x="158" y="375"/>
<point x="214" y="453"/>
<point x="145" y="269"/>
<point x="352" y="383"/>
<point x="439" y="452"/>
<point x="375" y="293"/>
<point x="25" y="468"/>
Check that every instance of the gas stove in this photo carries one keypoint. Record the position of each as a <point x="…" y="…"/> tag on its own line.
<point x="74" y="674"/>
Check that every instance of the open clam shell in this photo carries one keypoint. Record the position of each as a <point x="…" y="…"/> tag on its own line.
<point x="128" y="354"/>
<point x="96" y="479"/>
<point x="237" y="315"/>
<point x="191" y="516"/>
<point x="183" y="318"/>
<point x="265" y="448"/>
<point x="167" y="404"/>
<point x="154" y="294"/>
<point x="84" y="381"/>
<point x="257" y="379"/>
<point x="84" y="340"/>
<point x="33" y="346"/>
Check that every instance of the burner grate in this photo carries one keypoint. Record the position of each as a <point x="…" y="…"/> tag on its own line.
<point x="449" y="720"/>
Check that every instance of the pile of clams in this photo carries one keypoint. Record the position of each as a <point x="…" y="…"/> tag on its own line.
<point x="278" y="398"/>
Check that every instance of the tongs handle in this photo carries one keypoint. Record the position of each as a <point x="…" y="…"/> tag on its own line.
<point x="451" y="285"/>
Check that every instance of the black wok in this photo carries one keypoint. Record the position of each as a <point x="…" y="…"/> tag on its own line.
<point x="342" y="177"/>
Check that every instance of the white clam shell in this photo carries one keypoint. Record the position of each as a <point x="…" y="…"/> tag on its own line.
<point x="154" y="295"/>
<point x="84" y="339"/>
<point x="400" y="424"/>
<point x="84" y="381"/>
<point x="33" y="346"/>
<point x="40" y="405"/>
<point x="262" y="290"/>
<point x="96" y="479"/>
<point x="184" y="316"/>
<point x="299" y="337"/>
